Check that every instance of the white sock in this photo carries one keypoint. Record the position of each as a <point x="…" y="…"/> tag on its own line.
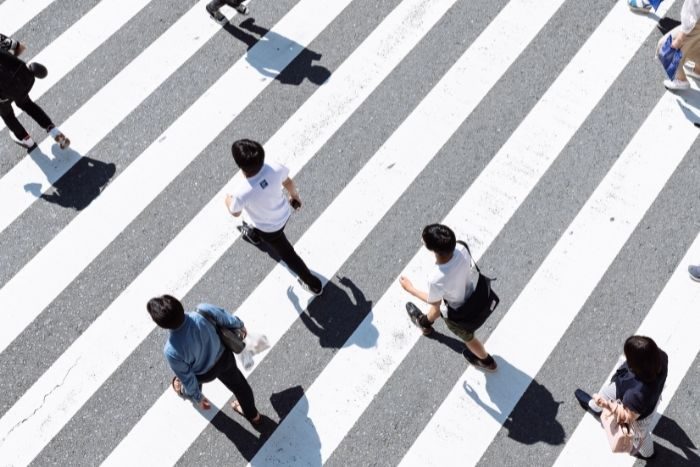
<point x="54" y="132"/>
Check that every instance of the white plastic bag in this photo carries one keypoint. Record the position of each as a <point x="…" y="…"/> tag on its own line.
<point x="254" y="344"/>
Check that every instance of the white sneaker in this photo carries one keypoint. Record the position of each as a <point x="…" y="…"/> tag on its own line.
<point x="689" y="69"/>
<point x="642" y="6"/>
<point x="676" y="85"/>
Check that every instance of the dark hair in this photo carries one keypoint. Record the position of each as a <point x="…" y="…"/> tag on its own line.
<point x="439" y="239"/>
<point x="166" y="311"/>
<point x="643" y="357"/>
<point x="249" y="155"/>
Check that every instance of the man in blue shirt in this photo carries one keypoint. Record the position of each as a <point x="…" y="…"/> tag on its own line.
<point x="196" y="355"/>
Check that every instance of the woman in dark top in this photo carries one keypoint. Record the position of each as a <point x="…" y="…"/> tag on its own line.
<point x="638" y="384"/>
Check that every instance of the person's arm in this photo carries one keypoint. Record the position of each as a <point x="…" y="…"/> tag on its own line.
<point x="433" y="310"/>
<point x="291" y="188"/>
<point x="222" y="317"/>
<point x="622" y="413"/>
<point x="190" y="385"/>
<point x="232" y="207"/>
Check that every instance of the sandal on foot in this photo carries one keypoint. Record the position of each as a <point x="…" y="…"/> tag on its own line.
<point x="177" y="386"/>
<point x="255" y="421"/>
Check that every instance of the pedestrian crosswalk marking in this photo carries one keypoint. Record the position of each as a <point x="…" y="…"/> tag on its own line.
<point x="104" y="111"/>
<point x="16" y="13"/>
<point x="80" y="40"/>
<point x="672" y="322"/>
<point x="568" y="275"/>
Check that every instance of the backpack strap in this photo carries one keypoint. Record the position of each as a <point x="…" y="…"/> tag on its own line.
<point x="464" y="244"/>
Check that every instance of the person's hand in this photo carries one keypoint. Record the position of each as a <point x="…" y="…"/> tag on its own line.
<point x="243" y="332"/>
<point x="600" y="400"/>
<point x="227" y="201"/>
<point x="204" y="404"/>
<point x="20" y="49"/>
<point x="295" y="201"/>
<point x="678" y="41"/>
<point x="406" y="283"/>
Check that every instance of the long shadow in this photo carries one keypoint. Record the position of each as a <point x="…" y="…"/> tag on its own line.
<point x="670" y="431"/>
<point x="264" y="59"/>
<point x="244" y="441"/>
<point x="534" y="418"/>
<point x="284" y="402"/>
<point x="79" y="186"/>
<point x="335" y="315"/>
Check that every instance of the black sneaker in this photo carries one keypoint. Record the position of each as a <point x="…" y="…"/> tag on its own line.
<point x="584" y="399"/>
<point x="249" y="234"/>
<point x="307" y="287"/>
<point x="241" y="9"/>
<point x="415" y="314"/>
<point x="487" y="364"/>
<point x="216" y="14"/>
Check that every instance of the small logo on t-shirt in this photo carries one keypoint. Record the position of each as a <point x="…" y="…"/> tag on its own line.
<point x="263" y="184"/>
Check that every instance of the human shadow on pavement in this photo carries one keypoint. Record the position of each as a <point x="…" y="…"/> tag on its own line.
<point x="265" y="59"/>
<point x="335" y="315"/>
<point x="237" y="430"/>
<point x="284" y="402"/>
<point x="669" y="430"/>
<point x="79" y="186"/>
<point x="534" y="418"/>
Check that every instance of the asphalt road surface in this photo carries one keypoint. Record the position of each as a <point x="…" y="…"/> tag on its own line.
<point x="539" y="130"/>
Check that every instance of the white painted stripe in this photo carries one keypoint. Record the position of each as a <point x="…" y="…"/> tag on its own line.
<point x="88" y="234"/>
<point x="378" y="185"/>
<point x="98" y="116"/>
<point x="672" y="322"/>
<point x="348" y="384"/>
<point x="23" y="435"/>
<point x="16" y="13"/>
<point x="71" y="47"/>
<point x="567" y="277"/>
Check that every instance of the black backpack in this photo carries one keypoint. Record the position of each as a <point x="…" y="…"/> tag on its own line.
<point x="476" y="309"/>
<point x="16" y="80"/>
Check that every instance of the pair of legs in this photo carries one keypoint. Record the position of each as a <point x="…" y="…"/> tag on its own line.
<point x="643" y="442"/>
<point x="279" y="243"/>
<point x="226" y="371"/>
<point x="214" y="5"/>
<point x="473" y="344"/>
<point x="35" y="112"/>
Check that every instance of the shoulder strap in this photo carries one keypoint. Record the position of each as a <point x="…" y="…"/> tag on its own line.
<point x="463" y="243"/>
<point x="208" y="317"/>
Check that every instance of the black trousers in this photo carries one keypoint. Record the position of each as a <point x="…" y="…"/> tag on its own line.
<point x="226" y="371"/>
<point x="216" y="4"/>
<point x="30" y="108"/>
<point x="278" y="242"/>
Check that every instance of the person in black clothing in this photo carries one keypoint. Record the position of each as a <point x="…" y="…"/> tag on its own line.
<point x="214" y="5"/>
<point x="259" y="190"/>
<point x="16" y="80"/>
<point x="637" y="384"/>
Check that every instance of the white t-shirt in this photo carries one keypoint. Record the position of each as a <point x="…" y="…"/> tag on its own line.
<point x="262" y="198"/>
<point x="453" y="281"/>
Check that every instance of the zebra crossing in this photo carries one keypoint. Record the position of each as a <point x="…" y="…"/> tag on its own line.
<point x="391" y="154"/>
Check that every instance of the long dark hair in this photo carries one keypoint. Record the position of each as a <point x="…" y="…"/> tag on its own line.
<point x="643" y="357"/>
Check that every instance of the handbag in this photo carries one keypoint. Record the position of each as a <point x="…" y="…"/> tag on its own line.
<point x="670" y="58"/>
<point x="620" y="436"/>
<point x="230" y="338"/>
<point x="476" y="309"/>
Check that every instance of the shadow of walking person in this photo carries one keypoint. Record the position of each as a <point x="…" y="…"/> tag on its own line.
<point x="79" y="186"/>
<point x="669" y="430"/>
<point x="534" y="418"/>
<point x="335" y="315"/>
<point x="305" y="434"/>
<point x="236" y="431"/>
<point x="267" y="59"/>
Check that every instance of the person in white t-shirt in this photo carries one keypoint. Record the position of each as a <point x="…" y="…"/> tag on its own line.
<point x="452" y="280"/>
<point x="258" y="190"/>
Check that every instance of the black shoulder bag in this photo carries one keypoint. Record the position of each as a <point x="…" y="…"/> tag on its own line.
<point x="476" y="309"/>
<point x="230" y="338"/>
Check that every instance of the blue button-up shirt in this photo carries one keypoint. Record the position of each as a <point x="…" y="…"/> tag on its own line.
<point x="193" y="348"/>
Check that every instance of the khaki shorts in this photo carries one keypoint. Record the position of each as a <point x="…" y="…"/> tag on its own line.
<point x="463" y="334"/>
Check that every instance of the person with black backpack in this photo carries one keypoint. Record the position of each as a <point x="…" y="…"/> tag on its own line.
<point x="454" y="281"/>
<point x="16" y="80"/>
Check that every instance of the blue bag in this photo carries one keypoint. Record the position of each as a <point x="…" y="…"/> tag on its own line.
<point x="670" y="58"/>
<point x="655" y="3"/>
